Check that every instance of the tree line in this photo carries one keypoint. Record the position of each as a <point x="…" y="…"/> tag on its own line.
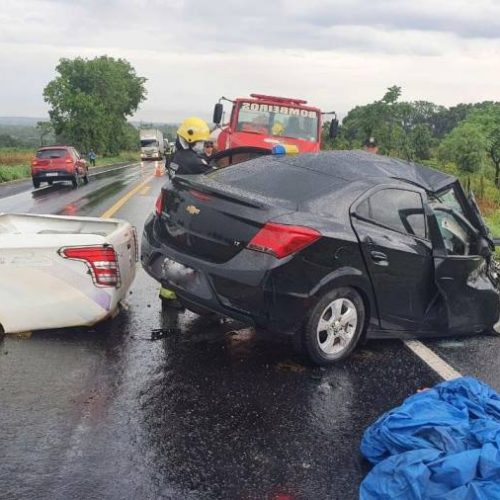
<point x="465" y="137"/>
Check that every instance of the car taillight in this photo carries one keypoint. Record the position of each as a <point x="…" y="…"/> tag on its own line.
<point x="282" y="240"/>
<point x="34" y="163"/>
<point x="159" y="204"/>
<point x="101" y="261"/>
<point x="68" y="160"/>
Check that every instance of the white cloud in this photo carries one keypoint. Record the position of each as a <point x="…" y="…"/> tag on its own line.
<point x="336" y="54"/>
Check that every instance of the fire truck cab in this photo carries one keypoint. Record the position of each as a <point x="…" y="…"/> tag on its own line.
<point x="264" y="121"/>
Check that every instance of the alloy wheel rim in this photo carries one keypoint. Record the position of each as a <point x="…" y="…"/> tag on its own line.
<point x="337" y="326"/>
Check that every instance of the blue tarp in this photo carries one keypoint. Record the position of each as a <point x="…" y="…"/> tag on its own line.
<point x="442" y="443"/>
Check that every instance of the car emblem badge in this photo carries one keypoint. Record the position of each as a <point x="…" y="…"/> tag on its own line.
<point x="192" y="210"/>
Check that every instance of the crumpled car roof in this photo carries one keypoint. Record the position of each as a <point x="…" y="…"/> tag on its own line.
<point x="356" y="165"/>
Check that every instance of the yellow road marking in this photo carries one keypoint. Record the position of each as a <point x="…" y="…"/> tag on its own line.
<point x="119" y="204"/>
<point x="145" y="190"/>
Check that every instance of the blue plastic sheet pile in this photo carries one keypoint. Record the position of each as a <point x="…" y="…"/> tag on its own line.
<point x="442" y="443"/>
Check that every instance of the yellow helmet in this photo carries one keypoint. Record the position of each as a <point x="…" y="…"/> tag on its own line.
<point x="193" y="129"/>
<point x="277" y="128"/>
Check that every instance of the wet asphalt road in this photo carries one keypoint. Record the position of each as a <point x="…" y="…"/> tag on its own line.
<point x="210" y="410"/>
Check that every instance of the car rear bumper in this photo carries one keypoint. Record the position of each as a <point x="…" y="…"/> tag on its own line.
<point x="247" y="287"/>
<point x="53" y="175"/>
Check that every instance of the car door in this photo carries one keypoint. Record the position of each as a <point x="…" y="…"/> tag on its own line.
<point x="463" y="275"/>
<point x="392" y="231"/>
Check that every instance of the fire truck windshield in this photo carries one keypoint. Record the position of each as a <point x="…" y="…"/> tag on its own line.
<point x="278" y="121"/>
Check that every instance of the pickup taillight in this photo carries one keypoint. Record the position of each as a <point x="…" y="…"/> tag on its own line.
<point x="101" y="261"/>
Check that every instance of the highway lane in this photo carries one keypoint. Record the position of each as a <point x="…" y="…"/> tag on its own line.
<point x="62" y="198"/>
<point x="210" y="410"/>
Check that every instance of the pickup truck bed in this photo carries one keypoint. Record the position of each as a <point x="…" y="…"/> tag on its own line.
<point x="58" y="271"/>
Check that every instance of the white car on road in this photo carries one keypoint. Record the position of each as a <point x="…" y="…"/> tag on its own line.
<point x="58" y="272"/>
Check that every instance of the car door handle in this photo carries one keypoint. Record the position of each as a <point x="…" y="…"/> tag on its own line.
<point x="379" y="257"/>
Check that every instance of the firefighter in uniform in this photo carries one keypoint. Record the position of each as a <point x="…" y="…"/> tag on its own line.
<point x="187" y="160"/>
<point x="188" y="157"/>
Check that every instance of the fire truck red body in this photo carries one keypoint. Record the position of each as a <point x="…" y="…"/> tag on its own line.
<point x="263" y="121"/>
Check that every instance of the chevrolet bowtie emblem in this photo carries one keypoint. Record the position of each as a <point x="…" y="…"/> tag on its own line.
<point x="191" y="209"/>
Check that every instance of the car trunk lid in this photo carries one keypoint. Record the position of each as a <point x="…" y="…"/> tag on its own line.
<point x="211" y="221"/>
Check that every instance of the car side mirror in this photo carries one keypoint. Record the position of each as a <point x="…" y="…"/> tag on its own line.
<point x="218" y="110"/>
<point x="333" y="129"/>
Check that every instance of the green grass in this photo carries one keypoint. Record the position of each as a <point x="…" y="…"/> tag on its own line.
<point x="124" y="156"/>
<point x="13" y="172"/>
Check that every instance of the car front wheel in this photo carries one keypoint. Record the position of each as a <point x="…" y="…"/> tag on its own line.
<point x="334" y="327"/>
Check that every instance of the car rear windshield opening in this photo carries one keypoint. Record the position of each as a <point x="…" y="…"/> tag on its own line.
<point x="51" y="153"/>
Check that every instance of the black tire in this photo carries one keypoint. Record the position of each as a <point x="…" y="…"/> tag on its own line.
<point x="74" y="181"/>
<point x="50" y="183"/>
<point x="36" y="183"/>
<point x="339" y="338"/>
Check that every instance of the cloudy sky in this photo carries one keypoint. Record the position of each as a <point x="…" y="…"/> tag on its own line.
<point x="334" y="53"/>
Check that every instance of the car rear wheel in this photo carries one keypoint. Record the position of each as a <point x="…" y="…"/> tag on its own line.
<point x="74" y="181"/>
<point x="334" y="326"/>
<point x="50" y="183"/>
<point x="36" y="183"/>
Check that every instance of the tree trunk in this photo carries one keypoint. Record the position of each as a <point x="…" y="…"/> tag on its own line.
<point x="497" y="173"/>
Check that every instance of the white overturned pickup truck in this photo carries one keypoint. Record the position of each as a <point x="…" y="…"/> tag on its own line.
<point x="57" y="272"/>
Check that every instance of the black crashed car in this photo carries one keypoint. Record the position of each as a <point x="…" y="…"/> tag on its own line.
<point x="328" y="247"/>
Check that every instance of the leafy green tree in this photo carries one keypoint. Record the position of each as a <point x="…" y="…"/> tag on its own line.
<point x="130" y="138"/>
<point x="91" y="99"/>
<point x="466" y="146"/>
<point x="392" y="95"/>
<point x="422" y="141"/>
<point x="487" y="119"/>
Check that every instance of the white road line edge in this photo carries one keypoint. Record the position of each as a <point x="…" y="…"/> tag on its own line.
<point x="431" y="359"/>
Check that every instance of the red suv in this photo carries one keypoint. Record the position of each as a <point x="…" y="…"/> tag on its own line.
<point x="58" y="163"/>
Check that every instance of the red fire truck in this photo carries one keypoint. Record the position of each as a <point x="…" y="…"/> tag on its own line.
<point x="263" y="121"/>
